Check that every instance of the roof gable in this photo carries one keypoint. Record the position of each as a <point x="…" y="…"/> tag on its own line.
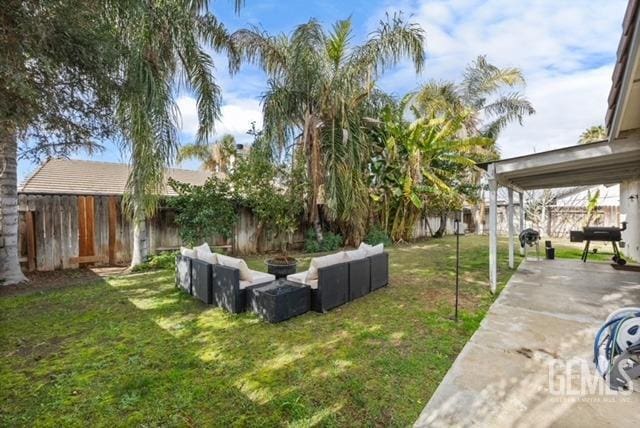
<point x="80" y="177"/>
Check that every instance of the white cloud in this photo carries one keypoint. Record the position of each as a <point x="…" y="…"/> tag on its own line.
<point x="188" y="114"/>
<point x="565" y="48"/>
<point x="236" y="117"/>
<point x="566" y="105"/>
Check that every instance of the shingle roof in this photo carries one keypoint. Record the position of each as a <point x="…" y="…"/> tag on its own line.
<point x="80" y="177"/>
<point x="622" y="59"/>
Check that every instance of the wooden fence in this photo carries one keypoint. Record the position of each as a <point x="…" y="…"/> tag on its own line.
<point x="66" y="231"/>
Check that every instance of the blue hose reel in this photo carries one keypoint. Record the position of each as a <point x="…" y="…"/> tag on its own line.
<point x="616" y="350"/>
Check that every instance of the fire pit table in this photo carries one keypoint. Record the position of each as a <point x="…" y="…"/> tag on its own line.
<point x="279" y="300"/>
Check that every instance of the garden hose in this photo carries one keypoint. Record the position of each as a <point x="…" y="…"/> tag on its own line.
<point x="616" y="350"/>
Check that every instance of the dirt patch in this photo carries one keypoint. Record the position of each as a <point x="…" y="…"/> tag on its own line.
<point x="53" y="280"/>
<point x="37" y="351"/>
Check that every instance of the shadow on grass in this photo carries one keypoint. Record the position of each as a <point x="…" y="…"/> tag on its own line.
<point x="136" y="350"/>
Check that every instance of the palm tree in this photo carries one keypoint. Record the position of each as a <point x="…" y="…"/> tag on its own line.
<point x="321" y="88"/>
<point x="487" y="96"/>
<point x="216" y="158"/>
<point x="593" y="134"/>
<point x="482" y="93"/>
<point x="165" y="51"/>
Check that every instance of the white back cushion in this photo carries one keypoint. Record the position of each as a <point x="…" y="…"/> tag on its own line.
<point x="208" y="257"/>
<point x="324" y="261"/>
<point x="188" y="252"/>
<point x="232" y="262"/>
<point x="358" y="254"/>
<point x="204" y="248"/>
<point x="371" y="250"/>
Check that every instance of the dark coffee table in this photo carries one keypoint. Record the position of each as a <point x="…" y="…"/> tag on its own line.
<point x="279" y="300"/>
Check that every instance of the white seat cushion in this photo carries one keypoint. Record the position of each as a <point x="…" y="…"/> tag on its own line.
<point x="204" y="248"/>
<point x="324" y="261"/>
<point x="241" y="265"/>
<point x="261" y="277"/>
<point x="257" y="278"/>
<point x="188" y="252"/>
<point x="358" y="254"/>
<point x="301" y="278"/>
<point x="297" y="277"/>
<point x="371" y="250"/>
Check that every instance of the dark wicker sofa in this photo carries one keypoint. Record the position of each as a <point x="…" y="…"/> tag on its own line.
<point x="202" y="281"/>
<point x="359" y="278"/>
<point x="337" y="284"/>
<point x="333" y="288"/>
<point x="183" y="273"/>
<point x="214" y="284"/>
<point x="226" y="289"/>
<point x="379" y="270"/>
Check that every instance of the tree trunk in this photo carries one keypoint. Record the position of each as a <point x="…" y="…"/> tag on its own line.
<point x="139" y="251"/>
<point x="10" y="272"/>
<point x="442" y="227"/>
<point x="318" y="227"/>
<point x="311" y="141"/>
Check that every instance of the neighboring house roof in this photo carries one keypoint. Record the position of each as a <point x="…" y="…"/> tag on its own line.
<point x="80" y="177"/>
<point x="623" y="110"/>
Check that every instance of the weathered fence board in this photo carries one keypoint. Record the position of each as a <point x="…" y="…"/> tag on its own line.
<point x="66" y="231"/>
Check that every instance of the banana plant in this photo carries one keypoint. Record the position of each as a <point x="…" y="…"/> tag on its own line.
<point x="419" y="165"/>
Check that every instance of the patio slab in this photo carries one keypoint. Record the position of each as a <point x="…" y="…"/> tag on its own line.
<point x="530" y="362"/>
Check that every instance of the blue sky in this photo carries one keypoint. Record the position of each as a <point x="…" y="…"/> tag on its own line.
<point x="565" y="48"/>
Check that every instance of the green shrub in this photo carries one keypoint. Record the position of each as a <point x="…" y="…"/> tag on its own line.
<point x="377" y="236"/>
<point x="331" y="242"/>
<point x="203" y="211"/>
<point x="162" y="261"/>
<point x="311" y="244"/>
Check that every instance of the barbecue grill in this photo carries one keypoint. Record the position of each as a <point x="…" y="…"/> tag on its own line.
<point x="529" y="238"/>
<point x="602" y="234"/>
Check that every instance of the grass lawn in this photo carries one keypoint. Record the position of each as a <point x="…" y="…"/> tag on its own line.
<point x="132" y="350"/>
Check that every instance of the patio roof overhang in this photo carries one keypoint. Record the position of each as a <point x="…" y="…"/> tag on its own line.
<point x="602" y="162"/>
<point x="597" y="163"/>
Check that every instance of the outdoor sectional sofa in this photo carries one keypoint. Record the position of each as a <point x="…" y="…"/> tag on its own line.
<point x="344" y="276"/>
<point x="335" y="279"/>
<point x="201" y="274"/>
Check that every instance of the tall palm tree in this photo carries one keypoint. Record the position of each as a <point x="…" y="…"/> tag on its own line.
<point x="165" y="44"/>
<point x="593" y="134"/>
<point x="215" y="158"/>
<point x="488" y="97"/>
<point x="487" y="92"/>
<point x="321" y="88"/>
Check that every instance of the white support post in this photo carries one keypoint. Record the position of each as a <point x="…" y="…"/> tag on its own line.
<point x="493" y="228"/>
<point x="521" y="195"/>
<point x="511" y="229"/>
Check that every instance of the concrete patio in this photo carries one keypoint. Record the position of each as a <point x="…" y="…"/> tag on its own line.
<point x="547" y="316"/>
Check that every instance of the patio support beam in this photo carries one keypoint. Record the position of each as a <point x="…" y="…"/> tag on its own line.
<point x="511" y="228"/>
<point x="521" y="197"/>
<point x="493" y="227"/>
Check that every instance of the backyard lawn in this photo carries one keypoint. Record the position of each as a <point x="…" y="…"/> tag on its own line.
<point x="133" y="350"/>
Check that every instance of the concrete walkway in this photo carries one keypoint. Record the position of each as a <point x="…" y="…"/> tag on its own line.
<point x="530" y="362"/>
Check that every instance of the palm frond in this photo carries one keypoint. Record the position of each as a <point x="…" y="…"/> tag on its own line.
<point x="338" y="42"/>
<point x="481" y="79"/>
<point x="393" y="40"/>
